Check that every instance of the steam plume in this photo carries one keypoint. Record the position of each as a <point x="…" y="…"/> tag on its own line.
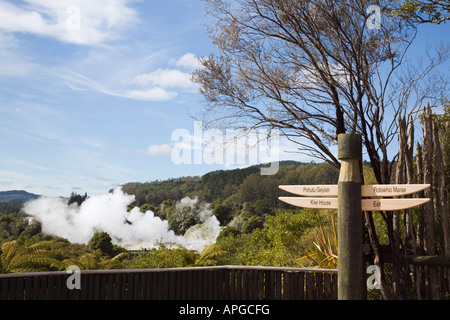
<point x="108" y="212"/>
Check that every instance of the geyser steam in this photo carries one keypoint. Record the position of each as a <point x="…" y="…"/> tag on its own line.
<point x="108" y="212"/>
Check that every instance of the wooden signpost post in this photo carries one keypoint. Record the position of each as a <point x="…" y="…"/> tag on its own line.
<point x="347" y="198"/>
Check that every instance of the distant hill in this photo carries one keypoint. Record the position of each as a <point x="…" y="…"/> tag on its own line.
<point x="233" y="186"/>
<point x="16" y="196"/>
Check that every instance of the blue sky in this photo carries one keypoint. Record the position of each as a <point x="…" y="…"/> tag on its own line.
<point x="92" y="91"/>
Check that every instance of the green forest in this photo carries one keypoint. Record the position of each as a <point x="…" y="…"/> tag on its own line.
<point x="257" y="229"/>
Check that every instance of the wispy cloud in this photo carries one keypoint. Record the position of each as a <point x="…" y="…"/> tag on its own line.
<point x="162" y="84"/>
<point x="23" y="163"/>
<point x="73" y="21"/>
<point x="159" y="149"/>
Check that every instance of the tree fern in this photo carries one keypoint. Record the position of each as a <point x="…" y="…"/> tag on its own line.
<point x="16" y="257"/>
<point x="210" y="255"/>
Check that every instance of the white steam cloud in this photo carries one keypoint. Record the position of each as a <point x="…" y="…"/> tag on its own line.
<point x="130" y="229"/>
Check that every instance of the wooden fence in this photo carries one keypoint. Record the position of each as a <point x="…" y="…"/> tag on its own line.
<point x="201" y="283"/>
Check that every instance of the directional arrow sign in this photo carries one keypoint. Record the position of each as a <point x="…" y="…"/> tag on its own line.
<point x="391" y="190"/>
<point x="315" y="190"/>
<point x="366" y="204"/>
<point x="391" y="204"/>
<point x="314" y="203"/>
<point x="380" y="190"/>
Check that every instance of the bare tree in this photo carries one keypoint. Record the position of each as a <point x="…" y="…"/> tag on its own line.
<point x="315" y="69"/>
<point x="312" y="69"/>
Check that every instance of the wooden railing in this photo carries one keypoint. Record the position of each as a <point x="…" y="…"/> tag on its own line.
<point x="200" y="283"/>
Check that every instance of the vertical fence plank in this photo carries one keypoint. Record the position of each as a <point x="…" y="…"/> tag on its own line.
<point x="289" y="282"/>
<point x="189" y="285"/>
<point x="102" y="286"/>
<point x="271" y="285"/>
<point x="278" y="284"/>
<point x="326" y="286"/>
<point x="232" y="284"/>
<point x="28" y="288"/>
<point x="147" y="286"/>
<point x="319" y="286"/>
<point x="136" y="278"/>
<point x="310" y="287"/>
<point x="227" y="284"/>
<point x="117" y="286"/>
<point x="4" y="287"/>
<point x="125" y="287"/>
<point x="301" y="286"/>
<point x="110" y="287"/>
<point x="155" y="288"/>
<point x="172" y="292"/>
<point x="261" y="289"/>
<point x="179" y="284"/>
<point x="209" y="285"/>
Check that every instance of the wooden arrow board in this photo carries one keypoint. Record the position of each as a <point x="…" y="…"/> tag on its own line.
<point x="314" y="203"/>
<point x="381" y="190"/>
<point x="314" y="190"/>
<point x="366" y="204"/>
<point x="391" y="204"/>
<point x="391" y="190"/>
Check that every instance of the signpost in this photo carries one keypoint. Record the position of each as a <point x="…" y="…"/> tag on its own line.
<point x="347" y="198"/>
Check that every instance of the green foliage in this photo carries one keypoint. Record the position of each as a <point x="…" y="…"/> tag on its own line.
<point x="428" y="11"/>
<point x="222" y="213"/>
<point x="157" y="191"/>
<point x="12" y="226"/>
<point x="228" y="232"/>
<point x="11" y="208"/>
<point x="181" y="219"/>
<point x="101" y="241"/>
<point x="210" y="255"/>
<point x="253" y="223"/>
<point x="93" y="261"/>
<point x="160" y="257"/>
<point x="285" y="237"/>
<point x="76" y="198"/>
<point x="17" y="257"/>
<point x="324" y="252"/>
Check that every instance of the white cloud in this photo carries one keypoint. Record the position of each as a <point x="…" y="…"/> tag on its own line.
<point x="153" y="94"/>
<point x="165" y="78"/>
<point x="153" y="85"/>
<point x="188" y="61"/>
<point x="159" y="149"/>
<point x="75" y="21"/>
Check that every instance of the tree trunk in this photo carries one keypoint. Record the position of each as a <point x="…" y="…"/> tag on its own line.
<point x="429" y="207"/>
<point x="442" y="195"/>
<point x="420" y="223"/>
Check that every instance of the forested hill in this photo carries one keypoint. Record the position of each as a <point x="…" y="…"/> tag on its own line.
<point x="235" y="186"/>
<point x="16" y="196"/>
